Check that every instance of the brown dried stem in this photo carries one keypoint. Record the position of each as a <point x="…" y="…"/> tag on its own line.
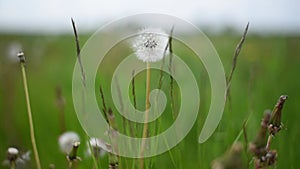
<point x="103" y="103"/>
<point x="234" y="60"/>
<point x="78" y="51"/>
<point x="171" y="71"/>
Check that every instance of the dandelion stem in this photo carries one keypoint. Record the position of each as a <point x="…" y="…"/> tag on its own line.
<point x="134" y="99"/>
<point x="35" y="151"/>
<point x="133" y="89"/>
<point x="70" y="165"/>
<point x="145" y="129"/>
<point x="13" y="165"/>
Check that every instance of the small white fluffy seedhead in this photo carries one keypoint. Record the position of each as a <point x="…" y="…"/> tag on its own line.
<point x="66" y="141"/>
<point x="12" y="151"/>
<point x="12" y="51"/>
<point x="99" y="147"/>
<point x="150" y="45"/>
<point x="15" y="157"/>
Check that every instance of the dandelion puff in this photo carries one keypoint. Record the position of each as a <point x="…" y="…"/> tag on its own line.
<point x="99" y="147"/>
<point x="12" y="156"/>
<point x="150" y="45"/>
<point x="15" y="158"/>
<point x="12" y="151"/>
<point x="66" y="141"/>
<point x="26" y="156"/>
<point x="12" y="51"/>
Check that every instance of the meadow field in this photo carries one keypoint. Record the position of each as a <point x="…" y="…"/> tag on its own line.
<point x="267" y="68"/>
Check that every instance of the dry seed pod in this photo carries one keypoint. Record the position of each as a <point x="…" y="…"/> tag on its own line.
<point x="268" y="160"/>
<point x="275" y="124"/>
<point x="257" y="147"/>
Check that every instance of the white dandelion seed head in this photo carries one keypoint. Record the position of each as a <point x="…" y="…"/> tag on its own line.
<point x="12" y="51"/>
<point x="99" y="147"/>
<point x="12" y="151"/>
<point x="150" y="45"/>
<point x="66" y="141"/>
<point x="16" y="157"/>
<point x="95" y="142"/>
<point x="26" y="156"/>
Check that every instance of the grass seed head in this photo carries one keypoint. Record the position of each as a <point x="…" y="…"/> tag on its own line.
<point x="275" y="123"/>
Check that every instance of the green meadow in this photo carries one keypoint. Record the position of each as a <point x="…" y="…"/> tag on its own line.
<point x="267" y="67"/>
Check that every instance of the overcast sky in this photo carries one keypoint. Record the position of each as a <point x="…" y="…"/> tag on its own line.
<point x="54" y="15"/>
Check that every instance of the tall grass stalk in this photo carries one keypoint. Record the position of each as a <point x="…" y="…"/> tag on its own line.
<point x="78" y="50"/>
<point x="234" y="63"/>
<point x="31" y="126"/>
<point x="134" y="100"/>
<point x="145" y="129"/>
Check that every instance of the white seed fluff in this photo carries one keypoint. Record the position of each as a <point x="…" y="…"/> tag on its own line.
<point x="99" y="147"/>
<point x="66" y="141"/>
<point x="150" y="45"/>
<point x="12" y="51"/>
<point x="12" y="151"/>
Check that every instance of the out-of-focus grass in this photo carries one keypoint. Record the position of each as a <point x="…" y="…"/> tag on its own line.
<point x="267" y="67"/>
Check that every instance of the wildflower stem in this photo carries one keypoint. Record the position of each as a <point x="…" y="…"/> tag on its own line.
<point x="269" y="142"/>
<point x="234" y="60"/>
<point x="234" y="63"/>
<point x="32" y="136"/>
<point x="13" y="166"/>
<point x="133" y="89"/>
<point x="134" y="99"/>
<point x="147" y="98"/>
<point x="145" y="129"/>
<point x="70" y="165"/>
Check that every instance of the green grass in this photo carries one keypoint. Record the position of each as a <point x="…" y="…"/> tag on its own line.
<point x="267" y="67"/>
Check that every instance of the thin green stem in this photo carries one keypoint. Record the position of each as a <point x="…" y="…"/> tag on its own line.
<point x="13" y="165"/>
<point x="145" y="129"/>
<point x="70" y="165"/>
<point x="32" y="136"/>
